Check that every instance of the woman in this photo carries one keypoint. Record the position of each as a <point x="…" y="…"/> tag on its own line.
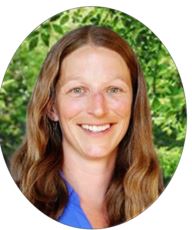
<point x="88" y="159"/>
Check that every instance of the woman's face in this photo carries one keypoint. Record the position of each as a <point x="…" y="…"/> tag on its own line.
<point x="93" y="102"/>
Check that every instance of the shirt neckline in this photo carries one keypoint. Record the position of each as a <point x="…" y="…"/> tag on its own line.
<point x="74" y="198"/>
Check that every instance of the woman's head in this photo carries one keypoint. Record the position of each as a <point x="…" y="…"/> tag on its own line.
<point x="136" y="180"/>
<point x="47" y="85"/>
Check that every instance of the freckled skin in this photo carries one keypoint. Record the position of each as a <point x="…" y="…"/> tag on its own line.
<point x="94" y="88"/>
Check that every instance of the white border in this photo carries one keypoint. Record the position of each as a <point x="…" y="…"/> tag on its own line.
<point x="171" y="22"/>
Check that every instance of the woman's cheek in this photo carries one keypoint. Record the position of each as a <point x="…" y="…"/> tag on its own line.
<point x="122" y="106"/>
<point x="71" y="108"/>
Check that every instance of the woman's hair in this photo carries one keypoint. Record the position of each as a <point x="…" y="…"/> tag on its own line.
<point x="136" y="181"/>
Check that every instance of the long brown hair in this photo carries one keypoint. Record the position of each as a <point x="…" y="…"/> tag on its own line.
<point x="136" y="180"/>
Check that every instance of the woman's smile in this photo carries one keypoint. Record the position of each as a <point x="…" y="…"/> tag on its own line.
<point x="97" y="129"/>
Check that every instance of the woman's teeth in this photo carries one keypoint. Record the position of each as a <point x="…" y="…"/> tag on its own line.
<point x="96" y="128"/>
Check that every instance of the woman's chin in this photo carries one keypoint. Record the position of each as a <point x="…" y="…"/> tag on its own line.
<point x="97" y="153"/>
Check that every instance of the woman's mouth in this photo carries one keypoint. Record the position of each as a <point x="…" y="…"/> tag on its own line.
<point x="96" y="128"/>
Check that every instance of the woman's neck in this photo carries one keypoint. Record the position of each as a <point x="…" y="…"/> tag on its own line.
<point x="89" y="178"/>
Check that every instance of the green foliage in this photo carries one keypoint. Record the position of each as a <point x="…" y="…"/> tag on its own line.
<point x="165" y="90"/>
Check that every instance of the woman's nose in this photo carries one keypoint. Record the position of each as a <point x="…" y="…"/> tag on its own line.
<point x="97" y="105"/>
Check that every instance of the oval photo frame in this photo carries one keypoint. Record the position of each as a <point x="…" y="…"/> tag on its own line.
<point x="164" y="87"/>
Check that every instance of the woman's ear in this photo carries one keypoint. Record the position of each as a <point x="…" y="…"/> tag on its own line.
<point x="52" y="112"/>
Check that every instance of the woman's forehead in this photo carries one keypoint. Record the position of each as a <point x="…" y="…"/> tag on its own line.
<point x="93" y="61"/>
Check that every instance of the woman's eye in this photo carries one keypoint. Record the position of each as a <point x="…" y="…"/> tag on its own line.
<point x="114" y="90"/>
<point x="77" y="91"/>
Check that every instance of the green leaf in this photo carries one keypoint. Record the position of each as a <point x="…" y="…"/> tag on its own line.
<point x="7" y="82"/>
<point x="64" y="19"/>
<point x="54" y="18"/>
<point x="34" y="33"/>
<point x="46" y="26"/>
<point x="2" y="91"/>
<point x="45" y="38"/>
<point x="57" y="28"/>
<point x="33" y="43"/>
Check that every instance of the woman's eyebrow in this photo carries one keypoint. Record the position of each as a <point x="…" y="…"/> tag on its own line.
<point x="126" y="80"/>
<point x="78" y="78"/>
<point x="62" y="82"/>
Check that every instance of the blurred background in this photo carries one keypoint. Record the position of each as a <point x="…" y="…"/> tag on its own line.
<point x="165" y="91"/>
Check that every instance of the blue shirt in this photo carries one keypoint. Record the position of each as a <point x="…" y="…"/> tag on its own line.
<point x="73" y="214"/>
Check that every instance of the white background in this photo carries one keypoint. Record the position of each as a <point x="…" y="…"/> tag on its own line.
<point x="171" y="21"/>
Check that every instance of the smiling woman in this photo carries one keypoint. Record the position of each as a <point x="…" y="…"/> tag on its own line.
<point x="88" y="159"/>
